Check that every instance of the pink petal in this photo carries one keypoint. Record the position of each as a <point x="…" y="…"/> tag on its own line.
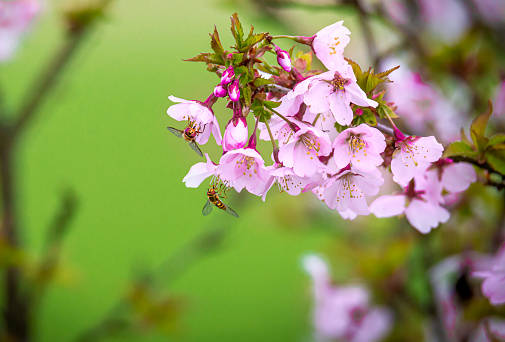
<point x="424" y="216"/>
<point x="458" y="177"/>
<point x="387" y="206"/>
<point x="317" y="97"/>
<point x="340" y="108"/>
<point x="357" y="96"/>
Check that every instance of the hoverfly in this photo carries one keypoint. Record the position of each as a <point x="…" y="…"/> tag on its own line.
<point x="189" y="134"/>
<point x="213" y="194"/>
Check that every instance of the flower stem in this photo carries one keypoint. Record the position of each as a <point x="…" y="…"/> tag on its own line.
<point x="274" y="146"/>
<point x="293" y="127"/>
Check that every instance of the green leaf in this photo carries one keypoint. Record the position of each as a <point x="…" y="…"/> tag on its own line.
<point x="271" y="104"/>
<point x="244" y="79"/>
<point x="211" y="58"/>
<point x="368" y="117"/>
<point x="383" y="110"/>
<point x="496" y="158"/>
<point x="496" y="140"/>
<point x="339" y="127"/>
<point x="246" y="94"/>
<point x="387" y="72"/>
<point x="478" y="128"/>
<point x="256" y="105"/>
<point x="459" y="148"/>
<point x="251" y="40"/>
<point x="237" y="30"/>
<point x="258" y="82"/>
<point x="372" y="81"/>
<point x="355" y="67"/>
<point x="215" y="42"/>
<point x="237" y="58"/>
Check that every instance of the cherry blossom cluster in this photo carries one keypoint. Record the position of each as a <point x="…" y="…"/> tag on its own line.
<point x="15" y="18"/>
<point x="324" y="131"/>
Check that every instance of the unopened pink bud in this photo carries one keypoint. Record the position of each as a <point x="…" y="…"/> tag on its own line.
<point x="235" y="135"/>
<point x="398" y="134"/>
<point x="220" y="91"/>
<point x="283" y="59"/>
<point x="227" y="76"/>
<point x="358" y="111"/>
<point x="234" y="91"/>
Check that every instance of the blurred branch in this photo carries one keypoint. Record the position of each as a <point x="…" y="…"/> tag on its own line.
<point x="46" y="81"/>
<point x="53" y="243"/>
<point x="364" y="21"/>
<point x="18" y="304"/>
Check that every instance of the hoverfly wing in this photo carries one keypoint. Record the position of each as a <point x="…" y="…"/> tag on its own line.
<point x="195" y="148"/>
<point x="177" y="132"/>
<point x="207" y="209"/>
<point x="230" y="211"/>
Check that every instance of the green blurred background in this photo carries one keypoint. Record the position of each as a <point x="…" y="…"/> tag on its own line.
<point x="102" y="131"/>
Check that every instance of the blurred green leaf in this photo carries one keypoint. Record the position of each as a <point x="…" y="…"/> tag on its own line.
<point x="496" y="158"/>
<point x="478" y="128"/>
<point x="495" y="140"/>
<point x="459" y="148"/>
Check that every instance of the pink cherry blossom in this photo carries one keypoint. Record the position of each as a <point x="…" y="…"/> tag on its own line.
<point x="235" y="135"/>
<point x="493" y="286"/>
<point x="244" y="168"/>
<point x="199" y="115"/>
<point x="419" y="203"/>
<point x="360" y="146"/>
<point x="15" y="18"/>
<point x="344" y="312"/>
<point x="413" y="155"/>
<point x="300" y="151"/>
<point x="287" y="180"/>
<point x="334" y="91"/>
<point x="199" y="172"/>
<point x="283" y="59"/>
<point x="329" y="44"/>
<point x="346" y="190"/>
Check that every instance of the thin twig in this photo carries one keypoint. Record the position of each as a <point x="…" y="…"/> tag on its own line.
<point x="46" y="81"/>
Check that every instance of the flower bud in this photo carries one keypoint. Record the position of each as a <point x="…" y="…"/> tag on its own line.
<point x="227" y="76"/>
<point x="283" y="59"/>
<point x="220" y="91"/>
<point x="234" y="91"/>
<point x="235" y="135"/>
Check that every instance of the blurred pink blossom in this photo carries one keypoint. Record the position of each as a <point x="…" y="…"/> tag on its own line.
<point x="344" y="312"/>
<point x="15" y="19"/>
<point x="493" y="286"/>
